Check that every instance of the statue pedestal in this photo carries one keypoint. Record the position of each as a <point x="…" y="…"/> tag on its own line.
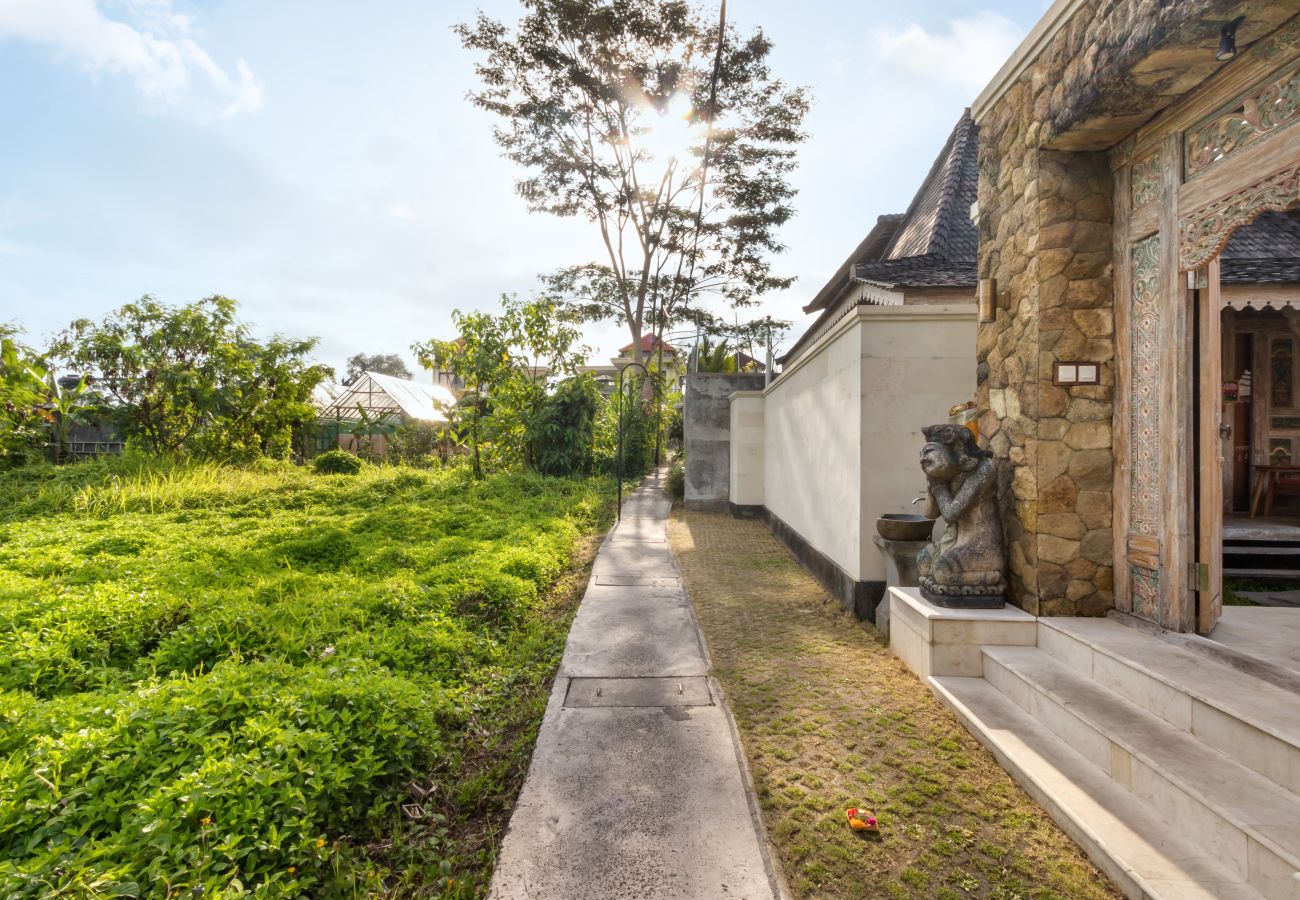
<point x="935" y="640"/>
<point x="900" y="571"/>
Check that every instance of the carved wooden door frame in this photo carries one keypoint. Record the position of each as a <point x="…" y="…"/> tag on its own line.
<point x="1224" y="154"/>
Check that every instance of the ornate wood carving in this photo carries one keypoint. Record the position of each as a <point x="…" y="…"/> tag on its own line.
<point x="1253" y="117"/>
<point x="1285" y="40"/>
<point x="1144" y="389"/>
<point x="1145" y="180"/>
<point x="1122" y="153"/>
<point x="1204" y="231"/>
<point x="1145" y="591"/>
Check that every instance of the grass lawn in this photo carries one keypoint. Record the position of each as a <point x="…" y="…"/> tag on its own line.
<point x="830" y="719"/>
<point x="217" y="681"/>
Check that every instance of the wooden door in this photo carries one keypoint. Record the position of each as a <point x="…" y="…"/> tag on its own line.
<point x="1213" y="436"/>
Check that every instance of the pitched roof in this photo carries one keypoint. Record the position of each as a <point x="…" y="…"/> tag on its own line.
<point x="938" y="221"/>
<point x="872" y="248"/>
<point x="933" y="244"/>
<point x="1267" y="251"/>
<point x="648" y="343"/>
<point x="381" y="395"/>
<point x="936" y="243"/>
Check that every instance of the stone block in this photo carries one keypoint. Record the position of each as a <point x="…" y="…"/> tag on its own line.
<point x="1062" y="525"/>
<point x="1089" y="436"/>
<point x="1057" y="550"/>
<point x="1095" y="508"/>
<point x="1060" y="495"/>
<point x="1053" y="429"/>
<point x="933" y="640"/>
<point x="1024" y="484"/>
<point x="1053" y="460"/>
<point x="1096" y="546"/>
<point x="1052" y="579"/>
<point x="1095" y="322"/>
<point x="1082" y="409"/>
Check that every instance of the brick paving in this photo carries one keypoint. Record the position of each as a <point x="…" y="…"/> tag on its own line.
<point x="829" y="719"/>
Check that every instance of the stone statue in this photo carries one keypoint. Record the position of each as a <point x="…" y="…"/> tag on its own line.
<point x="966" y="566"/>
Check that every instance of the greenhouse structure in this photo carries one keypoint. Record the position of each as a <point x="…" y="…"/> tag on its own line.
<point x="361" y="417"/>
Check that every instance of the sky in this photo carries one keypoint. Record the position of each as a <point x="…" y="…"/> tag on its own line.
<point x="317" y="160"/>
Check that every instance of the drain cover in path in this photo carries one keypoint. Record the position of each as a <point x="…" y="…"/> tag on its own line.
<point x="636" y="581"/>
<point x="680" y="691"/>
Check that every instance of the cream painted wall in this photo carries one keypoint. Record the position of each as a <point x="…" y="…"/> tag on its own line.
<point x="812" y="449"/>
<point x="917" y="362"/>
<point x="842" y="425"/>
<point x="747" y="448"/>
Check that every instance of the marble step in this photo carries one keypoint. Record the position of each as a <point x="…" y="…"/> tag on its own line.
<point x="1251" y="720"/>
<point x="1251" y="824"/>
<point x="1119" y="831"/>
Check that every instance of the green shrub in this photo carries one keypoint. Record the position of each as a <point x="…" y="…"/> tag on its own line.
<point x="676" y="482"/>
<point x="337" y="462"/>
<point x="561" y="434"/>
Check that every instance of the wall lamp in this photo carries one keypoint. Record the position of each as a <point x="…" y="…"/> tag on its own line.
<point x="1228" y="40"/>
<point x="991" y="300"/>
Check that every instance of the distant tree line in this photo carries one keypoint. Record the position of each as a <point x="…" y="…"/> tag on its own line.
<point x="170" y="379"/>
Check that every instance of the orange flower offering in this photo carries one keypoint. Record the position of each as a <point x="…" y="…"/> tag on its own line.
<point x="862" y="820"/>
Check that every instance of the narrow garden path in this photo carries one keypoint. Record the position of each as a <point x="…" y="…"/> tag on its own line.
<point x="829" y="719"/>
<point x="637" y="786"/>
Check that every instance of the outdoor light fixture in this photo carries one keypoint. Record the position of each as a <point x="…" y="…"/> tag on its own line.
<point x="1228" y="40"/>
<point x="988" y="299"/>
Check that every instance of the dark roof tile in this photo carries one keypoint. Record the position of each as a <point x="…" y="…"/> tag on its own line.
<point x="938" y="221"/>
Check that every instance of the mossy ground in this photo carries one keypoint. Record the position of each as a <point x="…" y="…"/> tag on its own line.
<point x="829" y="719"/>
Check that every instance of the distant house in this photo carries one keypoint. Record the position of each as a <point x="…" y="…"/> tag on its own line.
<point x="649" y="351"/>
<point x="363" y="414"/>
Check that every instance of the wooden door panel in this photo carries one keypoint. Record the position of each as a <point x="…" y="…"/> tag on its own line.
<point x="1212" y="442"/>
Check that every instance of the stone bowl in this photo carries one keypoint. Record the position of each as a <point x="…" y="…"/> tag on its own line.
<point x="904" y="527"/>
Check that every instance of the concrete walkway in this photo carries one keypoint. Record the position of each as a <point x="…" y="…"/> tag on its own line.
<point x="637" y="786"/>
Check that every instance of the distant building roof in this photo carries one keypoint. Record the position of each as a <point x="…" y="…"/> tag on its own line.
<point x="1267" y="251"/>
<point x="383" y="395"/>
<point x="649" y="343"/>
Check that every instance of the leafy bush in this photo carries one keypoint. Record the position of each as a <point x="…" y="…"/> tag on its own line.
<point x="562" y="432"/>
<point x="221" y="680"/>
<point x="337" y="462"/>
<point x="192" y="379"/>
<point x="638" y="437"/>
<point x="676" y="482"/>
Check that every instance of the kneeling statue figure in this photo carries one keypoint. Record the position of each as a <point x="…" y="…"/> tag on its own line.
<point x="966" y="566"/>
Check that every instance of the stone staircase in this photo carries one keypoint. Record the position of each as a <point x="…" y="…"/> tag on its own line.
<point x="1177" y="773"/>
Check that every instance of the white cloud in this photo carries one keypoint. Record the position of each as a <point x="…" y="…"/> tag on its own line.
<point x="148" y="42"/>
<point x="965" y="53"/>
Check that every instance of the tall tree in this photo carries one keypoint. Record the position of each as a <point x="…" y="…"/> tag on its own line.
<point x="505" y="361"/>
<point x="383" y="363"/>
<point x="192" y="379"/>
<point x="664" y="128"/>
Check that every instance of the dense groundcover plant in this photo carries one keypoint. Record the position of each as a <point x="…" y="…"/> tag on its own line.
<point x="216" y="681"/>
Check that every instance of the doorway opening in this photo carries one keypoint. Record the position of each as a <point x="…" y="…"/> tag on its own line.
<point x="1247" y="400"/>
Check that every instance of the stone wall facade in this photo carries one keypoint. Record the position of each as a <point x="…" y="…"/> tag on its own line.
<point x="1045" y="236"/>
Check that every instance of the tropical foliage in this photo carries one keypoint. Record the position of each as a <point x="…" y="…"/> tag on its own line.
<point x="192" y="378"/>
<point x="37" y="413"/>
<point x="216" y="681"/>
